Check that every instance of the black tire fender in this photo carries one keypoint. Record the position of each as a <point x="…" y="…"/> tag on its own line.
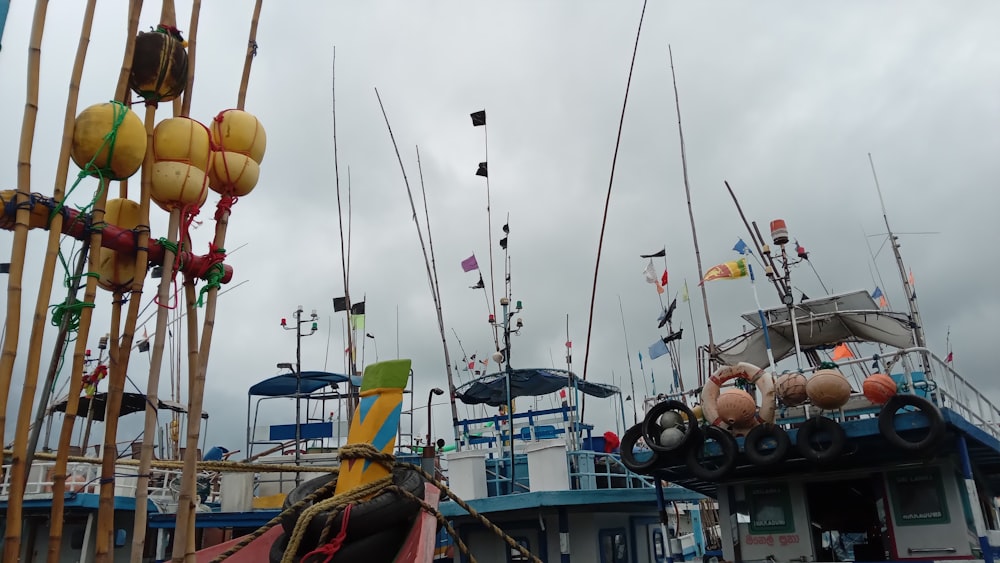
<point x="651" y="426"/>
<point x="727" y="444"/>
<point x="756" y="436"/>
<point x="386" y="509"/>
<point x="383" y="545"/>
<point x="887" y="422"/>
<point x="629" y="439"/>
<point x="819" y="425"/>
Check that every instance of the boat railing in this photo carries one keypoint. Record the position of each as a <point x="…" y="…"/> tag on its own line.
<point x="85" y="478"/>
<point x="596" y="470"/>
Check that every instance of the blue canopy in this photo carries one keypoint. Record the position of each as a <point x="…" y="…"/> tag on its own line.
<point x="285" y="384"/>
<point x="492" y="389"/>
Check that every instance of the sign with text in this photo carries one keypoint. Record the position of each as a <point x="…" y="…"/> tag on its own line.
<point x="918" y="497"/>
<point x="770" y="509"/>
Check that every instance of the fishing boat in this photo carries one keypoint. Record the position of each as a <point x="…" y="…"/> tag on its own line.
<point x="885" y="454"/>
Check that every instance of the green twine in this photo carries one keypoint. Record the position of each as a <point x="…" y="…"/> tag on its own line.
<point x="73" y="310"/>
<point x="168" y="245"/>
<point x="214" y="280"/>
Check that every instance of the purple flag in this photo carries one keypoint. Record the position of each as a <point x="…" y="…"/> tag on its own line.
<point x="470" y="264"/>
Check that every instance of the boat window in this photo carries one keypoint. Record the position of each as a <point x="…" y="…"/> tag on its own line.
<point x="614" y="545"/>
<point x="770" y="509"/>
<point x="513" y="555"/>
<point x="918" y="497"/>
<point x="659" y="551"/>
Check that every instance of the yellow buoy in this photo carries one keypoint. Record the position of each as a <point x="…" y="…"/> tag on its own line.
<point x="176" y="184"/>
<point x="116" y="269"/>
<point x="237" y="131"/>
<point x="182" y="139"/>
<point x="160" y="65"/>
<point x="232" y="173"/>
<point x="113" y="137"/>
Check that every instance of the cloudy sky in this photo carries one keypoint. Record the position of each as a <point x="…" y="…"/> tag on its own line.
<point x="782" y="99"/>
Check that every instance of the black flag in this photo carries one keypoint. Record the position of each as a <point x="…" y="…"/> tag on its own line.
<point x="358" y="308"/>
<point x="479" y="284"/>
<point x="659" y="254"/>
<point x="667" y="314"/>
<point x="506" y="228"/>
<point x="673" y="336"/>
<point x="482" y="170"/>
<point x="5" y="268"/>
<point x="339" y="304"/>
<point x="478" y="118"/>
<point x="503" y="243"/>
<point x="144" y="345"/>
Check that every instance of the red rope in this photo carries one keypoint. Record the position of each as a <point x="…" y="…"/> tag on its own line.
<point x="333" y="546"/>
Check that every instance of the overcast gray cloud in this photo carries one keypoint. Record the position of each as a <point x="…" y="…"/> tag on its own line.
<point x="783" y="99"/>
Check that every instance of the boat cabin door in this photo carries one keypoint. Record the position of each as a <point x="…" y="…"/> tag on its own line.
<point x="847" y="519"/>
<point x="657" y="543"/>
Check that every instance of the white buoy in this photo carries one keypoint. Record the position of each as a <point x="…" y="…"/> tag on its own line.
<point x="670" y="419"/>
<point x="671" y="437"/>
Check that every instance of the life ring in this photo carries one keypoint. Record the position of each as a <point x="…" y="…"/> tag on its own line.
<point x="628" y="442"/>
<point x="696" y="463"/>
<point x="764" y="381"/>
<point x="812" y="450"/>
<point x="383" y="545"/>
<point x="755" y="439"/>
<point x="887" y="422"/>
<point x="651" y="428"/>
<point x="386" y="509"/>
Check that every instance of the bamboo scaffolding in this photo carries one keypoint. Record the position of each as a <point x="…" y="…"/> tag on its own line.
<point x="162" y="313"/>
<point x="184" y="529"/>
<point x="12" y="542"/>
<point x="90" y="293"/>
<point x="23" y="444"/>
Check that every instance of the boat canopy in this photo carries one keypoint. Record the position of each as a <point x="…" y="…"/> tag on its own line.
<point x="287" y="384"/>
<point x="131" y="403"/>
<point x="491" y="389"/>
<point x="822" y="322"/>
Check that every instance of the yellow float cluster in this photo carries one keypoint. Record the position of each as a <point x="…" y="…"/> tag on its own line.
<point x="238" y="144"/>
<point x="181" y="156"/>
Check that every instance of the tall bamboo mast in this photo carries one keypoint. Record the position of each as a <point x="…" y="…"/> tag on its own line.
<point x="90" y="293"/>
<point x="12" y="542"/>
<point x="160" y="334"/>
<point x="183" y="550"/>
<point x="23" y="448"/>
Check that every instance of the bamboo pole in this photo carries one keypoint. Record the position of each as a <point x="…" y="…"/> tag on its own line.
<point x="185" y="504"/>
<point x="162" y="313"/>
<point x="73" y="399"/>
<point x="12" y="542"/>
<point x="118" y="368"/>
<point x="23" y="445"/>
<point x="183" y="548"/>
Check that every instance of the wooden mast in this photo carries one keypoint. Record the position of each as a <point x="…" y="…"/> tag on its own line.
<point x="184" y="529"/>
<point x="90" y="293"/>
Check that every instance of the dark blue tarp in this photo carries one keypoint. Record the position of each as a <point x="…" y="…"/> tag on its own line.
<point x="285" y="383"/>
<point x="492" y="389"/>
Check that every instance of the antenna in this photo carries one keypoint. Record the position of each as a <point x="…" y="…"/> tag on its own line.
<point x="911" y="296"/>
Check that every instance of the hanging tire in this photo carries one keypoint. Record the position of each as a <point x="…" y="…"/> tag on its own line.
<point x="388" y="508"/>
<point x="887" y="423"/>
<point x="651" y="428"/>
<point x="818" y="451"/>
<point x="758" y="437"/>
<point x="383" y="545"/>
<point x="712" y="468"/>
<point x="629" y="440"/>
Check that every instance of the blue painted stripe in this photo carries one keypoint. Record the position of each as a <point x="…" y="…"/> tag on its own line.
<point x="385" y="434"/>
<point x="4" y="8"/>
<point x="365" y="406"/>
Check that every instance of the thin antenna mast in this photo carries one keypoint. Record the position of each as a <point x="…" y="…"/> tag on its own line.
<point x="911" y="296"/>
<point x="628" y="356"/>
<point x="694" y="231"/>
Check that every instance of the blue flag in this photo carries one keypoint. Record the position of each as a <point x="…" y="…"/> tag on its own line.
<point x="658" y="349"/>
<point x="640" y="360"/>
<point x="742" y="247"/>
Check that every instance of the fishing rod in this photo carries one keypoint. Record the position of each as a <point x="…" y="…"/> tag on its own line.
<point x="694" y="230"/>
<point x="607" y="205"/>
<point x="628" y="357"/>
<point x="430" y="278"/>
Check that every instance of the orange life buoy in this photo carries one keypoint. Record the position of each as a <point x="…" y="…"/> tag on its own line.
<point x="764" y="380"/>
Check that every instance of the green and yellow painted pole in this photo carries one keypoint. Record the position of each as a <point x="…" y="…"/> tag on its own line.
<point x="375" y="421"/>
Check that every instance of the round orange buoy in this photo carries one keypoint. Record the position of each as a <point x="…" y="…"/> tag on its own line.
<point x="792" y="389"/>
<point x="828" y="389"/>
<point x="879" y="388"/>
<point x="102" y="149"/>
<point x="736" y="406"/>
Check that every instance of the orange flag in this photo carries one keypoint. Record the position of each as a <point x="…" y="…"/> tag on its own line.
<point x="842" y="352"/>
